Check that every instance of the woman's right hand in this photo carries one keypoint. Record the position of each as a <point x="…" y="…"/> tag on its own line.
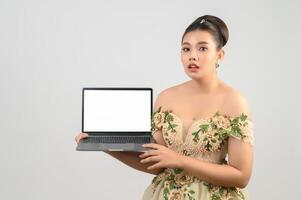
<point x="80" y="136"/>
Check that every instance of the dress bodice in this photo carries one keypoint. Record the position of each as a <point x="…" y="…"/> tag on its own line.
<point x="205" y="135"/>
<point x="205" y="139"/>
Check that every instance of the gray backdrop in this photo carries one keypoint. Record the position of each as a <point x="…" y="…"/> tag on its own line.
<point x="49" y="50"/>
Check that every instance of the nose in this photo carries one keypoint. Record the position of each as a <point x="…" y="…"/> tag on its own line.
<point x="191" y="58"/>
<point x="193" y="55"/>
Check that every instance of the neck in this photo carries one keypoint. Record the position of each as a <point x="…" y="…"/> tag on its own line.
<point x="207" y="84"/>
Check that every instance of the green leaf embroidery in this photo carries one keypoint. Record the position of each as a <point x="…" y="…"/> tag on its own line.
<point x="155" y="181"/>
<point x="172" y="126"/>
<point x="204" y="127"/>
<point x="191" y="191"/>
<point x="171" y="185"/>
<point x="168" y="117"/>
<point x="171" y="177"/>
<point x="196" y="135"/>
<point x="165" y="193"/>
<point x="243" y="117"/>
<point x="178" y="170"/>
<point x="190" y="197"/>
<point x="219" y="192"/>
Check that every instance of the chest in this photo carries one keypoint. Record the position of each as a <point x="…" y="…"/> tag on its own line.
<point x="190" y="110"/>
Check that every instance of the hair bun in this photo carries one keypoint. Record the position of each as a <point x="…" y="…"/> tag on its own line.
<point x="214" y="25"/>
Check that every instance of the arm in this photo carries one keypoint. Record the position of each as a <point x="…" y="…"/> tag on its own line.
<point x="132" y="159"/>
<point x="237" y="173"/>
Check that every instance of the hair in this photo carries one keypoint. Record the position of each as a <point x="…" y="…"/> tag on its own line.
<point x="213" y="25"/>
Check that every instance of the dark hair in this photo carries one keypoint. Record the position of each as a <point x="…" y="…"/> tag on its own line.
<point x="213" y="25"/>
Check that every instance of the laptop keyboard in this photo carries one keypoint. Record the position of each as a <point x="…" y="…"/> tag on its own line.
<point x="116" y="139"/>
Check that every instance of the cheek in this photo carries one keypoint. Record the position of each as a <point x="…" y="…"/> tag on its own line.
<point x="206" y="59"/>
<point x="184" y="58"/>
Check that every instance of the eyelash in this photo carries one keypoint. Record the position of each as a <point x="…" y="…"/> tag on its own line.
<point x="183" y="49"/>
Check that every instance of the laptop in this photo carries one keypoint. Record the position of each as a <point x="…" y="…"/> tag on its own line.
<point x="116" y="119"/>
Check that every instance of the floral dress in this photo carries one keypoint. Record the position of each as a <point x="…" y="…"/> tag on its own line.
<point x="206" y="140"/>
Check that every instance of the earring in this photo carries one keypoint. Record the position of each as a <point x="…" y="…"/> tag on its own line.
<point x="217" y="65"/>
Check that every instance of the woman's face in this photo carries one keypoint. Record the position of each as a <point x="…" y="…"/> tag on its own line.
<point x="199" y="48"/>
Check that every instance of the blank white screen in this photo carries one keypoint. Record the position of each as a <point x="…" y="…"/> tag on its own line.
<point x="117" y="110"/>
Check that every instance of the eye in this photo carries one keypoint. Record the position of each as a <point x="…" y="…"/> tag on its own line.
<point x="185" y="49"/>
<point x="203" y="48"/>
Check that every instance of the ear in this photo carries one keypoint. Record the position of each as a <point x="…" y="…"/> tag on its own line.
<point x="220" y="54"/>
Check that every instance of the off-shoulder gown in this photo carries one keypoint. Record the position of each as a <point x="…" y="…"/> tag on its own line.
<point x="207" y="140"/>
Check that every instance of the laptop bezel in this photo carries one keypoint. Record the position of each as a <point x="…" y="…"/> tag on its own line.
<point x="117" y="133"/>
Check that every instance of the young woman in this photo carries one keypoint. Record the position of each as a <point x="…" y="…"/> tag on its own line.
<point x="203" y="127"/>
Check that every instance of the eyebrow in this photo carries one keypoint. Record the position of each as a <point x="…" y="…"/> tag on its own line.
<point x="200" y="42"/>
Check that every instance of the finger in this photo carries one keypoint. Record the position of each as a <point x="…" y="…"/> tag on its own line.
<point x="76" y="138"/>
<point x="80" y="136"/>
<point x="143" y="155"/>
<point x="155" y="166"/>
<point x="149" y="153"/>
<point x="83" y="135"/>
<point x="151" y="159"/>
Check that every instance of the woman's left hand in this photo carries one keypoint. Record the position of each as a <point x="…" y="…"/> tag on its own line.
<point x="163" y="156"/>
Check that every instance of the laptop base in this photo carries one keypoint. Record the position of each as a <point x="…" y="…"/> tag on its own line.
<point x="136" y="147"/>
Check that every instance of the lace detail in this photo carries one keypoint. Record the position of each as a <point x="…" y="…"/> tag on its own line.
<point x="175" y="184"/>
<point x="204" y="135"/>
<point x="206" y="140"/>
<point x="224" y="193"/>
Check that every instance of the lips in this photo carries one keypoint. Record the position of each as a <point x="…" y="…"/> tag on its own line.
<point x="192" y="65"/>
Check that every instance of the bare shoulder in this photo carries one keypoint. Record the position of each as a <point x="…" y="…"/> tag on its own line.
<point x="236" y="103"/>
<point x="166" y="96"/>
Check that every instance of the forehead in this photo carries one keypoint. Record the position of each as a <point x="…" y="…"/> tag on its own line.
<point x="196" y="36"/>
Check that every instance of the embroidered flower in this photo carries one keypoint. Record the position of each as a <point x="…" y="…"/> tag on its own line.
<point x="165" y="174"/>
<point x="224" y="193"/>
<point x="173" y="182"/>
<point x="220" y="121"/>
<point x="163" y="119"/>
<point x="176" y="195"/>
<point x="158" y="118"/>
<point x="211" y="141"/>
<point x="184" y="189"/>
<point x="188" y="192"/>
<point x="166" y="184"/>
<point x="183" y="179"/>
<point x="213" y="134"/>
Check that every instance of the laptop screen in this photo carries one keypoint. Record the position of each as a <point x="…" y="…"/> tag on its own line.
<point x="117" y="110"/>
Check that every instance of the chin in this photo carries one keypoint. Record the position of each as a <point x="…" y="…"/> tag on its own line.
<point x="194" y="76"/>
